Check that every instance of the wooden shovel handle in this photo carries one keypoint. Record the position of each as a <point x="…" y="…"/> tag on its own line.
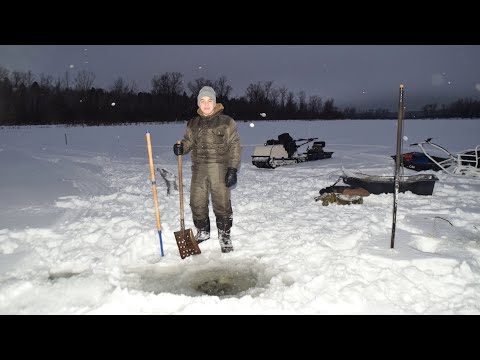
<point x="180" y="189"/>
<point x="154" y="183"/>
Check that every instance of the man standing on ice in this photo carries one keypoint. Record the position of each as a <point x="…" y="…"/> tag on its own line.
<point x="213" y="139"/>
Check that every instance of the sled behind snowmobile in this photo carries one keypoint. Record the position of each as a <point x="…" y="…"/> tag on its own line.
<point x="376" y="184"/>
<point x="284" y="151"/>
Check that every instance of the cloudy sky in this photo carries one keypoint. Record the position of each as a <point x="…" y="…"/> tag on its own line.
<point x="353" y="75"/>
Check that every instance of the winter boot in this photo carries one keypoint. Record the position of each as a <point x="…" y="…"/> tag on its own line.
<point x="203" y="229"/>
<point x="224" y="224"/>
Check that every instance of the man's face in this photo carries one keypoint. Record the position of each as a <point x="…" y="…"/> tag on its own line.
<point x="206" y="105"/>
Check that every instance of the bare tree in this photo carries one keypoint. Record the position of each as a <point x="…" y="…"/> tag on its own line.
<point x="84" y="80"/>
<point x="120" y="87"/>
<point x="273" y="98"/>
<point x="255" y="93"/>
<point x="29" y="78"/>
<point x="267" y="86"/>
<point x="350" y="112"/>
<point x="133" y="87"/>
<point x="3" y="73"/>
<point x="302" y="103"/>
<point x="66" y="80"/>
<point x="222" y="89"/>
<point x="315" y="104"/>
<point x="290" y="105"/>
<point x="197" y="84"/>
<point x="58" y="84"/>
<point x="283" y="95"/>
<point x="176" y="81"/>
<point x="159" y="84"/>
<point x="329" y="109"/>
<point x="429" y="110"/>
<point x="16" y="79"/>
<point x="22" y="77"/>
<point x="169" y="83"/>
<point x="46" y="81"/>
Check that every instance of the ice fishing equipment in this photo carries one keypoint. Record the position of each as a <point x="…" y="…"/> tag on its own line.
<point x="398" y="161"/>
<point x="418" y="161"/>
<point x="187" y="245"/>
<point x="341" y="195"/>
<point x="154" y="188"/>
<point x="466" y="162"/>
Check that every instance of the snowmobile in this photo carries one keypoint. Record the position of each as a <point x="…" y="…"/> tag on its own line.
<point x="466" y="162"/>
<point x="275" y="153"/>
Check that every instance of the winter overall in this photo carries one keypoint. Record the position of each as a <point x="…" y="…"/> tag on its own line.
<point x="214" y="144"/>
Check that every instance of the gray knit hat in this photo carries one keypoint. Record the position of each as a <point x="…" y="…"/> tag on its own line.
<point x="207" y="91"/>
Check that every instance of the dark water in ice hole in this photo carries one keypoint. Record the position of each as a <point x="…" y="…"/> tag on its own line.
<point x="223" y="281"/>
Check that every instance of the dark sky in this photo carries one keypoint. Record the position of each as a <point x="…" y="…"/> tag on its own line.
<point x="364" y="76"/>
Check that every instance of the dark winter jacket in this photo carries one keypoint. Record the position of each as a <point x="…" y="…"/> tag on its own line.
<point x="213" y="139"/>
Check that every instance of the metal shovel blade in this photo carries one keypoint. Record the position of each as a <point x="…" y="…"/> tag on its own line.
<point x="186" y="242"/>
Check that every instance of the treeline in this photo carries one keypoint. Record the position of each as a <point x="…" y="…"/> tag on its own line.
<point x="461" y="108"/>
<point x="26" y="99"/>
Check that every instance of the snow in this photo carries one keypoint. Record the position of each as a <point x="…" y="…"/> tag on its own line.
<point x="78" y="231"/>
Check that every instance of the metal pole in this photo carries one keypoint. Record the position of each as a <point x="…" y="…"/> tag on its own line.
<point x="398" y="161"/>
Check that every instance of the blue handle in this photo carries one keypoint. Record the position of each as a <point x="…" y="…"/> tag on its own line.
<point x="161" y="245"/>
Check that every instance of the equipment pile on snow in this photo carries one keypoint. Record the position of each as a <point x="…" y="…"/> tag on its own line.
<point x="466" y="162"/>
<point x="275" y="153"/>
<point x="342" y="195"/>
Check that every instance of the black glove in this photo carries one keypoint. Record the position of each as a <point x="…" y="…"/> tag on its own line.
<point x="178" y="149"/>
<point x="231" y="177"/>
